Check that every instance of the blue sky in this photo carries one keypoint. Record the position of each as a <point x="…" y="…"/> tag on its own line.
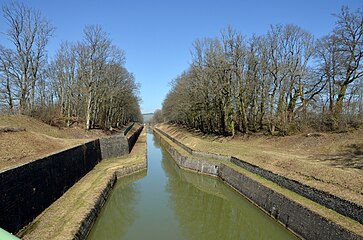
<point x="157" y="35"/>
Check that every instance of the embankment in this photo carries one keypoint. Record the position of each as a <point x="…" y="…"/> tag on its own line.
<point x="73" y="215"/>
<point x="292" y="210"/>
<point x="26" y="190"/>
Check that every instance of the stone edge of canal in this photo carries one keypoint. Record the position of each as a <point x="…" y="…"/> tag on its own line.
<point x="89" y="220"/>
<point x="302" y="221"/>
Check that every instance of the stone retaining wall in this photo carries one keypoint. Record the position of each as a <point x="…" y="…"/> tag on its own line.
<point x="300" y="220"/>
<point x="113" y="146"/>
<point x="87" y="223"/>
<point x="118" y="145"/>
<point x="90" y="218"/>
<point x="26" y="190"/>
<point x="342" y="206"/>
<point x="294" y="216"/>
<point x="131" y="139"/>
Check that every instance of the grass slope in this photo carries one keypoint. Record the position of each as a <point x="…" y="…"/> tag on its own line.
<point x="32" y="139"/>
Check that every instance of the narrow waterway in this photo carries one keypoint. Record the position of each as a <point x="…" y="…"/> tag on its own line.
<point x="170" y="203"/>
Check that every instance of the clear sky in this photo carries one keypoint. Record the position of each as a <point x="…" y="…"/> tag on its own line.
<point x="157" y="35"/>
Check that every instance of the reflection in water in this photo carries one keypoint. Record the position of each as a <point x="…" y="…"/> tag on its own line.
<point x="121" y="203"/>
<point x="208" y="209"/>
<point x="171" y="203"/>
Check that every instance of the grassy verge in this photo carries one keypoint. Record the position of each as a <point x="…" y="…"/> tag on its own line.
<point x="64" y="217"/>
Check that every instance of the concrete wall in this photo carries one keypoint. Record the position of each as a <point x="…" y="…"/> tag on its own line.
<point x="25" y="191"/>
<point x="342" y="206"/>
<point x="292" y="215"/>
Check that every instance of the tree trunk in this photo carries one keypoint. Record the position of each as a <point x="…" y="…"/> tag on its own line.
<point x="10" y="98"/>
<point x="339" y="102"/>
<point x="89" y="109"/>
<point x="244" y="122"/>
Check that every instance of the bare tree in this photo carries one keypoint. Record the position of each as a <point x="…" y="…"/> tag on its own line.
<point x="29" y="33"/>
<point x="91" y="83"/>
<point x="7" y="75"/>
<point x="271" y="81"/>
<point x="62" y="72"/>
<point x="92" y="55"/>
<point x="349" y="37"/>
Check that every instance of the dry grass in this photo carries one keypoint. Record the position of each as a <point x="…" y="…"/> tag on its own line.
<point x="21" y="147"/>
<point x="34" y="125"/>
<point x="23" y="139"/>
<point x="296" y="157"/>
<point x="62" y="219"/>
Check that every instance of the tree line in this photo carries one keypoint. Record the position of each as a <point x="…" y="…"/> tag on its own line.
<point x="282" y="81"/>
<point x="86" y="81"/>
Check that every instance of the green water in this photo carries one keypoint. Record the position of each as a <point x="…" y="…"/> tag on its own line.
<point x="170" y="203"/>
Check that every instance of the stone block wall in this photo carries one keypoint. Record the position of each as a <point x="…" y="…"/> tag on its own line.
<point x="300" y="220"/>
<point x="114" y="146"/>
<point x="342" y="206"/>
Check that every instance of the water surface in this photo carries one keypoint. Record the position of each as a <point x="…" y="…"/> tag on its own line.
<point x="170" y="203"/>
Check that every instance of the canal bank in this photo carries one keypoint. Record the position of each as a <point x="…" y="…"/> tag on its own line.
<point x="171" y="203"/>
<point x="72" y="215"/>
<point x="302" y="216"/>
<point x="28" y="189"/>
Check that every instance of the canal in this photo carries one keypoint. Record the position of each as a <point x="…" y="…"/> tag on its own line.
<point x="171" y="203"/>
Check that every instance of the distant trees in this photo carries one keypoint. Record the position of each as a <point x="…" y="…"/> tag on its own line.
<point x="157" y="117"/>
<point x="280" y="81"/>
<point x="86" y="81"/>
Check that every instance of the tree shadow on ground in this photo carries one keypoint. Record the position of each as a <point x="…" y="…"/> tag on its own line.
<point x="351" y="157"/>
